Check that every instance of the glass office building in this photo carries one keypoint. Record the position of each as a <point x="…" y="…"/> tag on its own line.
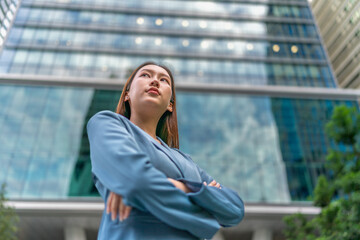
<point x="254" y="88"/>
<point x="339" y="25"/>
<point x="8" y="9"/>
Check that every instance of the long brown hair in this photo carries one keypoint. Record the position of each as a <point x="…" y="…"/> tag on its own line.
<point x="167" y="128"/>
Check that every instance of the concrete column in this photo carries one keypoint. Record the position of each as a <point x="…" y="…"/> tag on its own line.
<point x="74" y="233"/>
<point x="262" y="234"/>
<point x="218" y="236"/>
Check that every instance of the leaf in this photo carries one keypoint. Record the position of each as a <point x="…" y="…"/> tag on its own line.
<point x="323" y="192"/>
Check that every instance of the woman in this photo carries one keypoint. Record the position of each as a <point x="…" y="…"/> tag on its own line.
<point x="151" y="189"/>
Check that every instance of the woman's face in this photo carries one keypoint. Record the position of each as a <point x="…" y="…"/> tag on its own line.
<point x="150" y="90"/>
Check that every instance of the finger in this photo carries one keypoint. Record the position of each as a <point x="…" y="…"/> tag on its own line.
<point x="205" y="183"/>
<point x="217" y="185"/>
<point x="213" y="183"/>
<point x="108" y="204"/>
<point x="172" y="181"/>
<point x="120" y="209"/>
<point x="115" y="206"/>
<point x="123" y="211"/>
<point x="127" y="212"/>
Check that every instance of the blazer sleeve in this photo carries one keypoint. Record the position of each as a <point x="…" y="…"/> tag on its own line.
<point x="224" y="204"/>
<point x="121" y="167"/>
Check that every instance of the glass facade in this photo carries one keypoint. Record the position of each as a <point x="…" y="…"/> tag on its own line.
<point x="230" y="47"/>
<point x="235" y="8"/>
<point x="224" y="42"/>
<point x="339" y="24"/>
<point x="186" y="24"/>
<point x="84" y="64"/>
<point x="268" y="148"/>
<point x="8" y="10"/>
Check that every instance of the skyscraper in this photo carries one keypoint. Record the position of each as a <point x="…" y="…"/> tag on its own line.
<point x="339" y="25"/>
<point x="8" y="9"/>
<point x="254" y="87"/>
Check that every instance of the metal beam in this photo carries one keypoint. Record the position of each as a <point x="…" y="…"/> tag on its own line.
<point x="162" y="12"/>
<point x="175" y="54"/>
<point x="117" y="84"/>
<point x="95" y="205"/>
<point x="166" y="32"/>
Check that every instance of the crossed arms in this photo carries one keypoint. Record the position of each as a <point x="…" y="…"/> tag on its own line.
<point x="115" y="205"/>
<point x="121" y="167"/>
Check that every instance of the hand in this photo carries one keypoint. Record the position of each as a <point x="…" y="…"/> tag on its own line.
<point x="180" y="185"/>
<point x="213" y="184"/>
<point x="115" y="205"/>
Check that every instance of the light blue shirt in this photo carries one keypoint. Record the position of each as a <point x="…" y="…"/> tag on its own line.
<point x="128" y="161"/>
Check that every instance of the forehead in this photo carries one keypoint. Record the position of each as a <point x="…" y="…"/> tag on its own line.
<point x="155" y="69"/>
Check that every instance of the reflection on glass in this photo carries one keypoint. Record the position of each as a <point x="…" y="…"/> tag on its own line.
<point x="43" y="138"/>
<point x="237" y="8"/>
<point x="128" y="20"/>
<point x="267" y="149"/>
<point x="228" y="25"/>
<point x="207" y="6"/>
<point x="238" y="72"/>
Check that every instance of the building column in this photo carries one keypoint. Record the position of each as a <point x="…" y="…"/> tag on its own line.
<point x="262" y="234"/>
<point x="74" y="233"/>
<point x="218" y="236"/>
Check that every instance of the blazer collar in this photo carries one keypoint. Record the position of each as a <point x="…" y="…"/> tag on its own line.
<point x="162" y="147"/>
<point x="168" y="152"/>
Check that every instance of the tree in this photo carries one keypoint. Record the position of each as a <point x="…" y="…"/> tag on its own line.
<point x="338" y="194"/>
<point x="8" y="219"/>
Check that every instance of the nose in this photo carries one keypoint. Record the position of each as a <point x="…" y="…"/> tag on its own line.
<point x="155" y="82"/>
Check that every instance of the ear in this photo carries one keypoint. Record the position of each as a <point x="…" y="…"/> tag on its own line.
<point x="170" y="107"/>
<point x="126" y="97"/>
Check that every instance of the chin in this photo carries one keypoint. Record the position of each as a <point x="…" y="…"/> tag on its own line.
<point x="153" y="106"/>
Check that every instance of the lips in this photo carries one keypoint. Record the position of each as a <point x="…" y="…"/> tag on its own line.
<point x="153" y="90"/>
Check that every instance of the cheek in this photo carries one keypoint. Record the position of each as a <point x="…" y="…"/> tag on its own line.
<point x="134" y="90"/>
<point x="168" y="93"/>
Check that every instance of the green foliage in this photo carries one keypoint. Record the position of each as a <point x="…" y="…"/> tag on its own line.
<point x="344" y="125"/>
<point x="323" y="192"/>
<point x="339" y="196"/>
<point x="8" y="219"/>
<point x="299" y="228"/>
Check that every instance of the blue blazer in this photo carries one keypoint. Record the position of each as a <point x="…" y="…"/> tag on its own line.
<point x="128" y="161"/>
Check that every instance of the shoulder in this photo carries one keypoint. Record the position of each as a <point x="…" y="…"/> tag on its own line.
<point x="106" y="118"/>
<point x="108" y="125"/>
<point x="106" y="115"/>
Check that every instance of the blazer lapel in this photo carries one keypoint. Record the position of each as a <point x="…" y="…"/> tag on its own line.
<point x="167" y="151"/>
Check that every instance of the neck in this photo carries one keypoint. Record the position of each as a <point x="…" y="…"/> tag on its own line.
<point x="146" y="123"/>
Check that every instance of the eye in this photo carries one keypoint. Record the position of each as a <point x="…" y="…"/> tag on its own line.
<point x="145" y="75"/>
<point x="165" y="79"/>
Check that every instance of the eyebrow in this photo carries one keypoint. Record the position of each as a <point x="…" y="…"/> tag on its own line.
<point x="161" y="74"/>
